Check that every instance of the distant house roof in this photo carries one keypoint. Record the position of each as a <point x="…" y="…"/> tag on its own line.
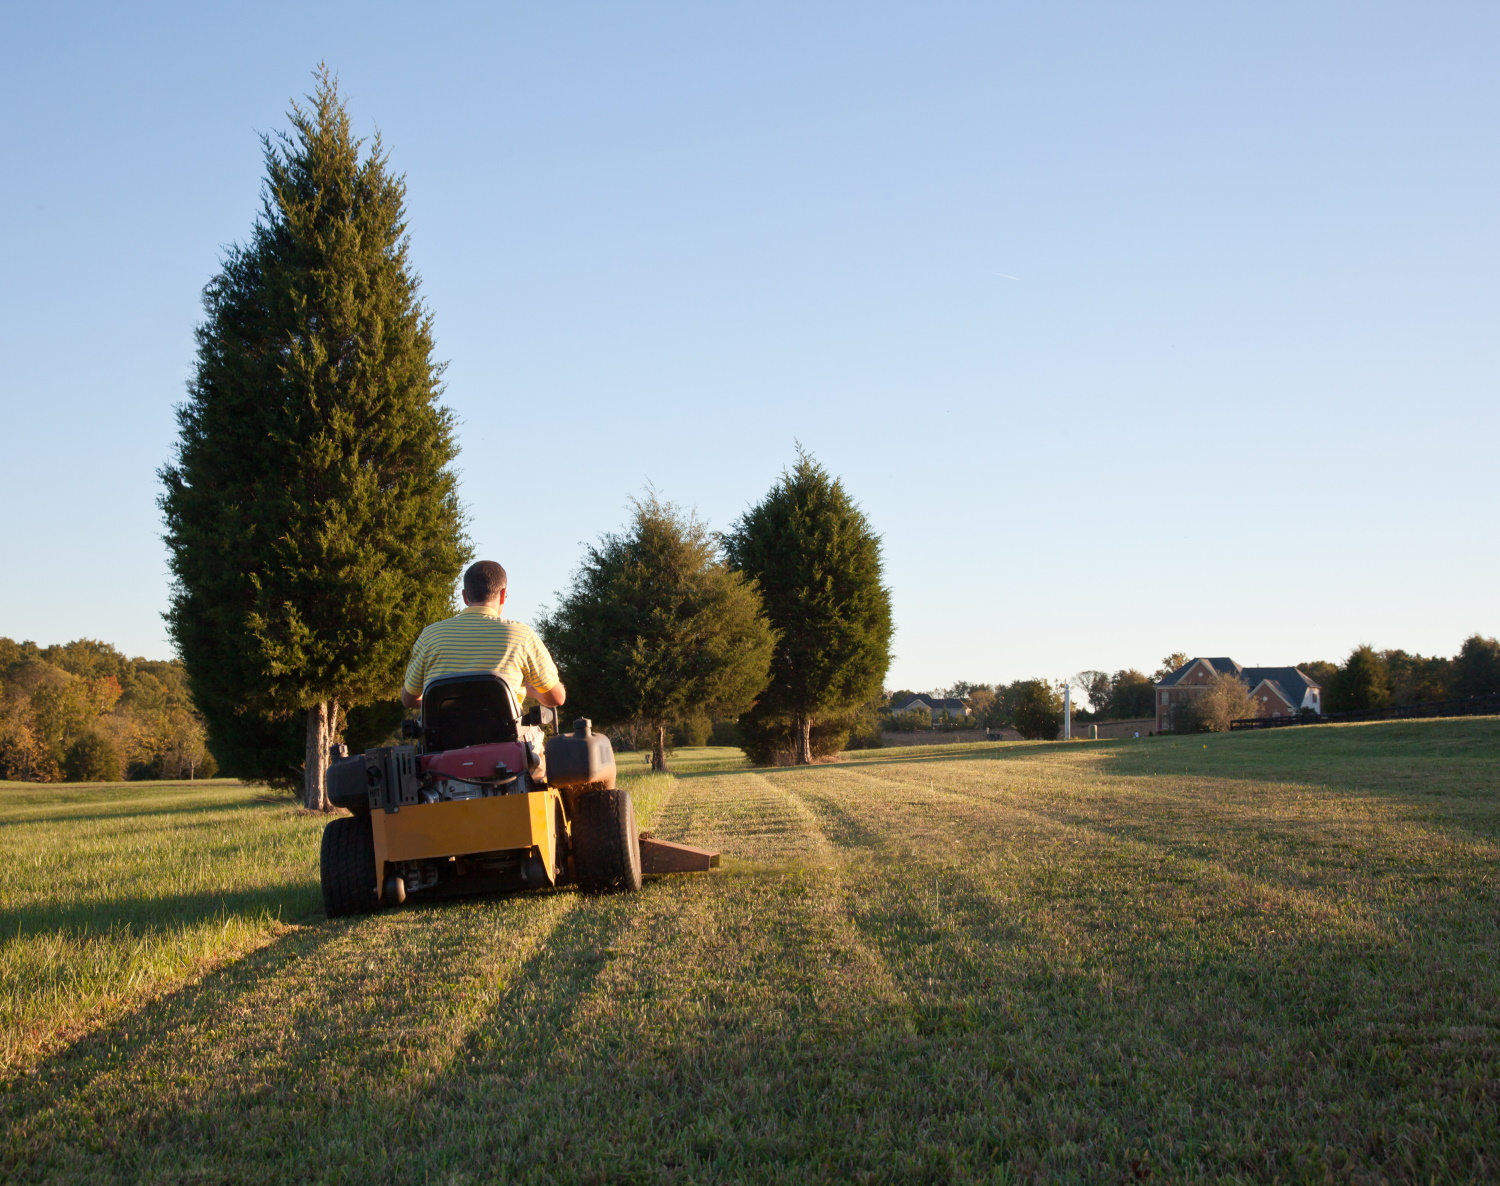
<point x="1222" y="666"/>
<point x="937" y="704"/>
<point x="1292" y="681"/>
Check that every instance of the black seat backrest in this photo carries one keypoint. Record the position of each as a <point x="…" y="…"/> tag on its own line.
<point x="463" y="710"/>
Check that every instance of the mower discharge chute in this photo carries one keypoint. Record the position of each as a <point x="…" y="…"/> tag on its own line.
<point x="484" y="801"/>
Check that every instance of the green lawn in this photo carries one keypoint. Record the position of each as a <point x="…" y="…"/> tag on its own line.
<point x="1253" y="957"/>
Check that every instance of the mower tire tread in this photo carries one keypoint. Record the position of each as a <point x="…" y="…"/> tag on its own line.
<point x="606" y="846"/>
<point x="347" y="865"/>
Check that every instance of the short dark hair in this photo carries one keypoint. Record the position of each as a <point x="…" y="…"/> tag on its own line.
<point x="483" y="581"/>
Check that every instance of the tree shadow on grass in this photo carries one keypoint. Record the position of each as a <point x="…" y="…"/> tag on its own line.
<point x="290" y="902"/>
<point x="65" y="815"/>
<point x="129" y="1040"/>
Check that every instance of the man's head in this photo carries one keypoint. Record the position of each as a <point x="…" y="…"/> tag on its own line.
<point x="484" y="584"/>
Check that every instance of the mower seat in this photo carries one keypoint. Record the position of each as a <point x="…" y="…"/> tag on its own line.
<point x="464" y="710"/>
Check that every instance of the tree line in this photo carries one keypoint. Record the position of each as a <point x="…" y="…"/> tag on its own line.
<point x="1034" y="707"/>
<point x="1367" y="678"/>
<point x="83" y="712"/>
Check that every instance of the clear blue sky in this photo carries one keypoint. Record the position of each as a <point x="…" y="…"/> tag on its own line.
<point x="1134" y="328"/>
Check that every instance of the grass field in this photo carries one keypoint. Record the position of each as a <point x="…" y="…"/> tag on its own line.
<point x="1253" y="957"/>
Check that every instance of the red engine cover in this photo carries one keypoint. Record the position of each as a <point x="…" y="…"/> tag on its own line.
<point x="477" y="761"/>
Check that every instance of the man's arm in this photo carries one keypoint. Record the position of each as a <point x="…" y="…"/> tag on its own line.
<point x="553" y="697"/>
<point x="416" y="671"/>
<point x="541" y="672"/>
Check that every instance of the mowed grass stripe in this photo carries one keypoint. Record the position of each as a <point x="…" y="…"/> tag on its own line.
<point x="976" y="824"/>
<point x="1355" y="856"/>
<point x="1139" y="954"/>
<point x="110" y="895"/>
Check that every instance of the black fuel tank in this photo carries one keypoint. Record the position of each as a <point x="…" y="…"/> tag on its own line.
<point x="581" y="757"/>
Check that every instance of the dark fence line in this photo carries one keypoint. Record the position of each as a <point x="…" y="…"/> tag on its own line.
<point x="1469" y="706"/>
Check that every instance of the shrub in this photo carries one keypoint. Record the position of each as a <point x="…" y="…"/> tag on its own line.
<point x="726" y="732"/>
<point x="909" y="722"/>
<point x="770" y="741"/>
<point x="864" y="729"/>
<point x="1186" y="716"/>
<point x="1227" y="699"/>
<point x="93" y="758"/>
<point x="1038" y="711"/>
<point x="692" y="732"/>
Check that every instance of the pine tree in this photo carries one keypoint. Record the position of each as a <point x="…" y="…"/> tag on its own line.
<point x="817" y="562"/>
<point x="312" y="520"/>
<point x="657" y="628"/>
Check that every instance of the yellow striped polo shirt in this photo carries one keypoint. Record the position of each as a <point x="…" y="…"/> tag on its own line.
<point x="478" y="639"/>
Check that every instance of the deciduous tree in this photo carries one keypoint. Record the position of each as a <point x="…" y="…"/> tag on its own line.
<point x="1095" y="687"/>
<point x="1227" y="699"/>
<point x="817" y="562"/>
<point x="1169" y="664"/>
<point x="1415" y="678"/>
<point x="1132" y="695"/>
<point x="1476" y="670"/>
<point x="312" y="518"/>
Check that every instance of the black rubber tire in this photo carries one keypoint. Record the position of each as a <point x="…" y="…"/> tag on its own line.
<point x="606" y="845"/>
<point x="347" y="866"/>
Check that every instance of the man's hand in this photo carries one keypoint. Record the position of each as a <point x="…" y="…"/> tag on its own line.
<point x="409" y="700"/>
<point x="553" y="697"/>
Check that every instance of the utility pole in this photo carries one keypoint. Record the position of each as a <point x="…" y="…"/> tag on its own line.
<point x="1068" y="711"/>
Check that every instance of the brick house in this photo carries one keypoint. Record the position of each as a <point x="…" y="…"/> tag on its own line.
<point x="1277" y="691"/>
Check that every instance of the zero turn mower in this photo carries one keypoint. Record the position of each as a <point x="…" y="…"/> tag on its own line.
<point x="482" y="800"/>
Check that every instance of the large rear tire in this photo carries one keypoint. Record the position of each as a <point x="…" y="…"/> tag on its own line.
<point x="347" y="866"/>
<point x="606" y="846"/>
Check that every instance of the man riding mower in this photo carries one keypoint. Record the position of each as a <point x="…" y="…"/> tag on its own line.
<point x="482" y="799"/>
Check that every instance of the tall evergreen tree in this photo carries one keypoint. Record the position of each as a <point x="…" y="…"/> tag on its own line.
<point x="817" y="562"/>
<point x="311" y="515"/>
<point x="657" y="628"/>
